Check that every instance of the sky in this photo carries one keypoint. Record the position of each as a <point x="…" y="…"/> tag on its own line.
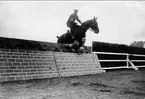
<point x="121" y="22"/>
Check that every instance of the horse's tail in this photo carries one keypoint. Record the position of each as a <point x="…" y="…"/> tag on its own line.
<point x="57" y="37"/>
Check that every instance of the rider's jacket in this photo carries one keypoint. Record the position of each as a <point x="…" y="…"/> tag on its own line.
<point x="72" y="19"/>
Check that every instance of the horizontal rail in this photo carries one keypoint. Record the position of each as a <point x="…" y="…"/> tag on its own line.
<point x="114" y="67"/>
<point x="112" y="60"/>
<point x="105" y="68"/>
<point x="137" y="55"/>
<point x="138" y="60"/>
<point x="111" y="53"/>
<point x="121" y="60"/>
<point x="140" y="66"/>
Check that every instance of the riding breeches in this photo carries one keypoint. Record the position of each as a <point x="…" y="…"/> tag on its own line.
<point x="72" y="26"/>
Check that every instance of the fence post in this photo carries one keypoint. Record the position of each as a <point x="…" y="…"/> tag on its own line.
<point x="127" y="58"/>
<point x="133" y="66"/>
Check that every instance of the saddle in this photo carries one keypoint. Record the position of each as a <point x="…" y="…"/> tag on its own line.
<point x="71" y="31"/>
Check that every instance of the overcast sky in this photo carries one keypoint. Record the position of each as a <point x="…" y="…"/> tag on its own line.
<point x="119" y="21"/>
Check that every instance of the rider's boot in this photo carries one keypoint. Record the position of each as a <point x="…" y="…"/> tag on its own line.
<point x="68" y="31"/>
<point x="72" y="33"/>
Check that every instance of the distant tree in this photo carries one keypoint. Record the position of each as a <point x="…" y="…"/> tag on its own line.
<point x="138" y="44"/>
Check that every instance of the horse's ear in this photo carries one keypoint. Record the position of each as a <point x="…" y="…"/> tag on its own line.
<point x="95" y="18"/>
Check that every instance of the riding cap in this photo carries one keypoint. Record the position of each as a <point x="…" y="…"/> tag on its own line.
<point x="75" y="9"/>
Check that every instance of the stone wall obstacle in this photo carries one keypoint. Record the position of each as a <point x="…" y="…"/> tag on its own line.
<point x="17" y="64"/>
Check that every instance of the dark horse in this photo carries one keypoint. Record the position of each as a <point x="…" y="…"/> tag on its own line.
<point x="79" y="34"/>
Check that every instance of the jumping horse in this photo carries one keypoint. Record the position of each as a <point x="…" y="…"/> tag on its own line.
<point x="79" y="34"/>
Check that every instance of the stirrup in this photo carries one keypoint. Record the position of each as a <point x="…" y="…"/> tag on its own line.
<point x="72" y="36"/>
<point x="68" y="31"/>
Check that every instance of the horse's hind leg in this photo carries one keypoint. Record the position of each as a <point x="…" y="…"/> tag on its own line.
<point x="60" y="39"/>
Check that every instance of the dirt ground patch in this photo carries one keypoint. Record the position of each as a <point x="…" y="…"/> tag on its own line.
<point x="114" y="84"/>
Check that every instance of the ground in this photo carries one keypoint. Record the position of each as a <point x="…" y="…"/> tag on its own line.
<point x="114" y="84"/>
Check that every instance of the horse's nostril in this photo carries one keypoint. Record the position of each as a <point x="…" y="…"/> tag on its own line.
<point x="97" y="31"/>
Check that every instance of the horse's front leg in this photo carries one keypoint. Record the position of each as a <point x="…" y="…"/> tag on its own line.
<point x="68" y="45"/>
<point x="83" y="42"/>
<point x="73" y="46"/>
<point x="82" y="48"/>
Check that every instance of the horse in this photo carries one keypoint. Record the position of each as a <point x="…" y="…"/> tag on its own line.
<point x="79" y="34"/>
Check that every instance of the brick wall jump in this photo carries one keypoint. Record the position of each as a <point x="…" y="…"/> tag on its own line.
<point x="16" y="64"/>
<point x="72" y="64"/>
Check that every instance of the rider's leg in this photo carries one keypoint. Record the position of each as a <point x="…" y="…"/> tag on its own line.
<point x="73" y="27"/>
<point x="70" y="26"/>
<point x="72" y="32"/>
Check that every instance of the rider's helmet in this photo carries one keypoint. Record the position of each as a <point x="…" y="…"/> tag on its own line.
<point x="75" y="11"/>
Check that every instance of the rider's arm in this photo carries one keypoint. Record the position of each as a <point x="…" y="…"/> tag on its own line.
<point x="79" y="20"/>
<point x="71" y="18"/>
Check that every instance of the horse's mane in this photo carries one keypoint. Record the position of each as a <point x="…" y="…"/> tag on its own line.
<point x="86" y="22"/>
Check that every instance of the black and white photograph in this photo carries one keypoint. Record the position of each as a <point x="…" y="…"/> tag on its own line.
<point x="72" y="49"/>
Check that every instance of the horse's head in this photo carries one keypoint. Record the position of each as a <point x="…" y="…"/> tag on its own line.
<point x="91" y="24"/>
<point x="94" y="25"/>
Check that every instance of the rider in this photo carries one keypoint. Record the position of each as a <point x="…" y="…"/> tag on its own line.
<point x="71" y="21"/>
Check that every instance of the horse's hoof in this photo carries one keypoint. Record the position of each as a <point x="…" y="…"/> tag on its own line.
<point x="68" y="45"/>
<point x="73" y="50"/>
<point x="81" y="48"/>
<point x="79" y="53"/>
<point x="76" y="43"/>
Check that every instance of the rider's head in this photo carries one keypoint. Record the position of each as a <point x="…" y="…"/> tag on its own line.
<point x="75" y="11"/>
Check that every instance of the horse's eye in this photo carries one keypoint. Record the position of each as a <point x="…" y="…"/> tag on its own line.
<point x="93" y="27"/>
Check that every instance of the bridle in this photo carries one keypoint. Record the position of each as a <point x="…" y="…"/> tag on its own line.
<point x="89" y="28"/>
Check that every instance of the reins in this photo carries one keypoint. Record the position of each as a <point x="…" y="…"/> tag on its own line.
<point x="85" y="27"/>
